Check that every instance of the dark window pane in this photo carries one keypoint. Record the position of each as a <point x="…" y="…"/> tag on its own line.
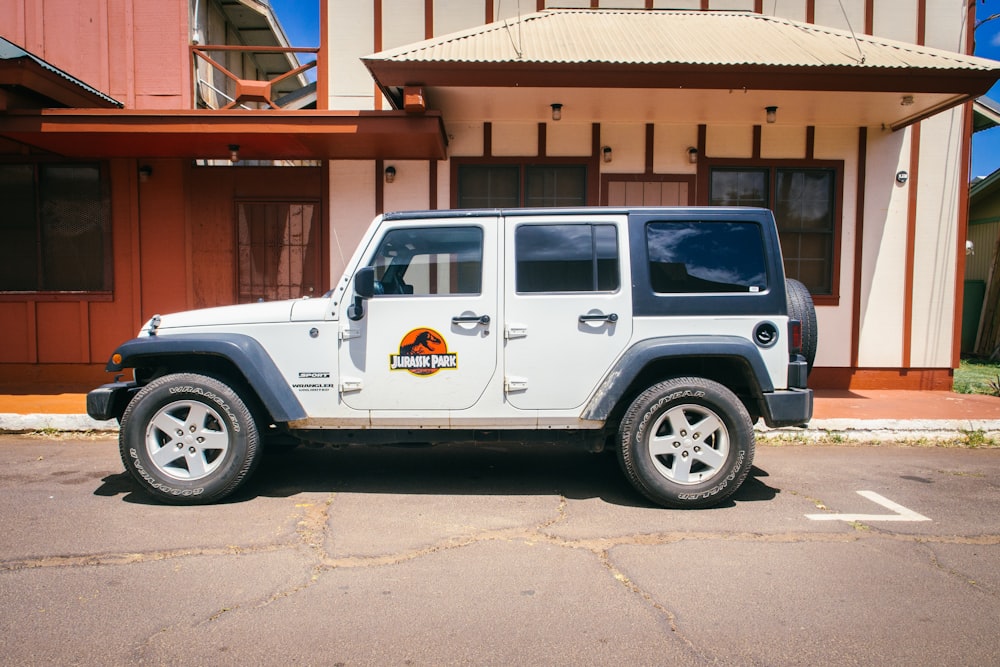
<point x="18" y="229"/>
<point x="732" y="187"/>
<point x="430" y="261"/>
<point x="489" y="186"/>
<point x="556" y="186"/>
<point x="804" y="211"/>
<point x="73" y="228"/>
<point x="693" y="257"/>
<point x="566" y="258"/>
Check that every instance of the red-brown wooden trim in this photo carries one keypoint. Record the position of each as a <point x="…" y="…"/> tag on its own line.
<point x="32" y="312"/>
<point x="57" y="297"/>
<point x="705" y="5"/>
<point x="539" y="5"/>
<point x="322" y="60"/>
<point x="869" y="17"/>
<point x="542" y="139"/>
<point x="324" y="189"/>
<point x="921" y="22"/>
<point x="810" y="11"/>
<point x="428" y="19"/>
<point x="649" y="147"/>
<point x="376" y="45"/>
<point x="596" y="4"/>
<point x="810" y="142"/>
<point x="379" y="187"/>
<point x="490" y="12"/>
<point x="649" y="4"/>
<point x="859" y="245"/>
<point x="911" y="243"/>
<point x="914" y="379"/>
<point x="758" y="6"/>
<point x="432" y="185"/>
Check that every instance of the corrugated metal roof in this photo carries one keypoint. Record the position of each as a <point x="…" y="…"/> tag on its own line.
<point x="11" y="51"/>
<point x="662" y="37"/>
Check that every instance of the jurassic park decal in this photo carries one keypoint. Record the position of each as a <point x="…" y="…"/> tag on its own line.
<point x="423" y="352"/>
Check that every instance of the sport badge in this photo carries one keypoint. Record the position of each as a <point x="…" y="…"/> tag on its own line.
<point x="423" y="352"/>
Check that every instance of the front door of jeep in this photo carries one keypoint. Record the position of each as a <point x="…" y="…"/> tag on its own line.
<point x="426" y="341"/>
<point x="568" y="307"/>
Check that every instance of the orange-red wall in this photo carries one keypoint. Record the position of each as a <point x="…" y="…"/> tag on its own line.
<point x="136" y="51"/>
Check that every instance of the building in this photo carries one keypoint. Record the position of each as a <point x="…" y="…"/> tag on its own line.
<point x="851" y="119"/>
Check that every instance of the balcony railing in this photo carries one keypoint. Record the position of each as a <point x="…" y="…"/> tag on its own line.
<point x="232" y="90"/>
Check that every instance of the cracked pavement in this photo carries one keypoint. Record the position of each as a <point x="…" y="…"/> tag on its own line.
<point x="458" y="555"/>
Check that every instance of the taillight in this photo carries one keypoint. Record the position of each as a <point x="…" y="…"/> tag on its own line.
<point x="795" y="336"/>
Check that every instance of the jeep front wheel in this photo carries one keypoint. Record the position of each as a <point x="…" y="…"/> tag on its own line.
<point x="188" y="439"/>
<point x="686" y="443"/>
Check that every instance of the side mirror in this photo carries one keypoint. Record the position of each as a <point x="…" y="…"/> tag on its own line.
<point x="364" y="282"/>
<point x="364" y="288"/>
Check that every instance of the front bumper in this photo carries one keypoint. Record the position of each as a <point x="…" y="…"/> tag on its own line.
<point x="110" y="400"/>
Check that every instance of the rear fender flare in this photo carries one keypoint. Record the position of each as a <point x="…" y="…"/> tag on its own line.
<point x="617" y="381"/>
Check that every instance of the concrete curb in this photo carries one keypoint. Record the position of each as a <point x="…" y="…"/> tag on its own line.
<point x="15" y="423"/>
<point x="885" y="430"/>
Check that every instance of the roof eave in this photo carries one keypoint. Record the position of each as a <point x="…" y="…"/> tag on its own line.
<point x="276" y="135"/>
<point x="389" y="74"/>
<point x="28" y="74"/>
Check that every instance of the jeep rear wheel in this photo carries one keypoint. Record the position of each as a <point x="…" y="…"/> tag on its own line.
<point x="686" y="443"/>
<point x="188" y="439"/>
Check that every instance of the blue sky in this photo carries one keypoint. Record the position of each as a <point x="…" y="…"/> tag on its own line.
<point x="300" y="19"/>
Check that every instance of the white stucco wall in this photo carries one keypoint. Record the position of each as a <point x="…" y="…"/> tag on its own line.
<point x="884" y="259"/>
<point x="352" y="207"/>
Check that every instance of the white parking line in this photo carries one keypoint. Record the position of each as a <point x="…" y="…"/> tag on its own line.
<point x="902" y="513"/>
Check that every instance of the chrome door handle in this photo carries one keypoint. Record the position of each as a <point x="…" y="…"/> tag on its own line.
<point x="610" y="318"/>
<point x="467" y="319"/>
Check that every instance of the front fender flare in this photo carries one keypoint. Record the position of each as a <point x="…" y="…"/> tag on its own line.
<point x="636" y="358"/>
<point x="244" y="352"/>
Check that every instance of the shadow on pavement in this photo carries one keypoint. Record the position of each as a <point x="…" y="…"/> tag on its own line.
<point x="440" y="470"/>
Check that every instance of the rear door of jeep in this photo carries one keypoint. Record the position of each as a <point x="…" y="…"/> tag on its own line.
<point x="568" y="305"/>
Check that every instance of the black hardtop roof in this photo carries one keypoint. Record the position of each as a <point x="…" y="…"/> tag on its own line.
<point x="672" y="211"/>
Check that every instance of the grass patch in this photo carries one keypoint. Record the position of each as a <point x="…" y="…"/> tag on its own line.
<point x="978" y="376"/>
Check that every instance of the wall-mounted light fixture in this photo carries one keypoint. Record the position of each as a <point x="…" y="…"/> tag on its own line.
<point x="772" y="114"/>
<point x="145" y="172"/>
<point x="606" y="153"/>
<point x="902" y="177"/>
<point x="390" y="174"/>
<point x="556" y="111"/>
<point x="234" y="153"/>
<point x="692" y="155"/>
<point x="906" y="100"/>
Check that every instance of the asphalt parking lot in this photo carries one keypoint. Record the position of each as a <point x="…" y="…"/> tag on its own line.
<point x="455" y="555"/>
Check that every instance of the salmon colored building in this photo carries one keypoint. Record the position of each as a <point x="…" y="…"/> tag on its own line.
<point x="169" y="155"/>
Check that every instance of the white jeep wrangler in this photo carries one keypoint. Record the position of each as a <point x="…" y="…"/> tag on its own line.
<point x="662" y="332"/>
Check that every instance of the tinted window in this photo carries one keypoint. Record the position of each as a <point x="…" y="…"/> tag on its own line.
<point x="430" y="260"/>
<point x="686" y="257"/>
<point x="55" y="228"/>
<point x="566" y="258"/>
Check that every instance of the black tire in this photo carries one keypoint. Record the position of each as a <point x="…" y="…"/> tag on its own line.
<point x="188" y="439"/>
<point x="686" y="443"/>
<point x="801" y="308"/>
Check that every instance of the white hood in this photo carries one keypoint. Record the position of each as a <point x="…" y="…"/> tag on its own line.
<point x="266" y="312"/>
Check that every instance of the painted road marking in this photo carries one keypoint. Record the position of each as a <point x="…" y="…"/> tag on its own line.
<point x="901" y="513"/>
